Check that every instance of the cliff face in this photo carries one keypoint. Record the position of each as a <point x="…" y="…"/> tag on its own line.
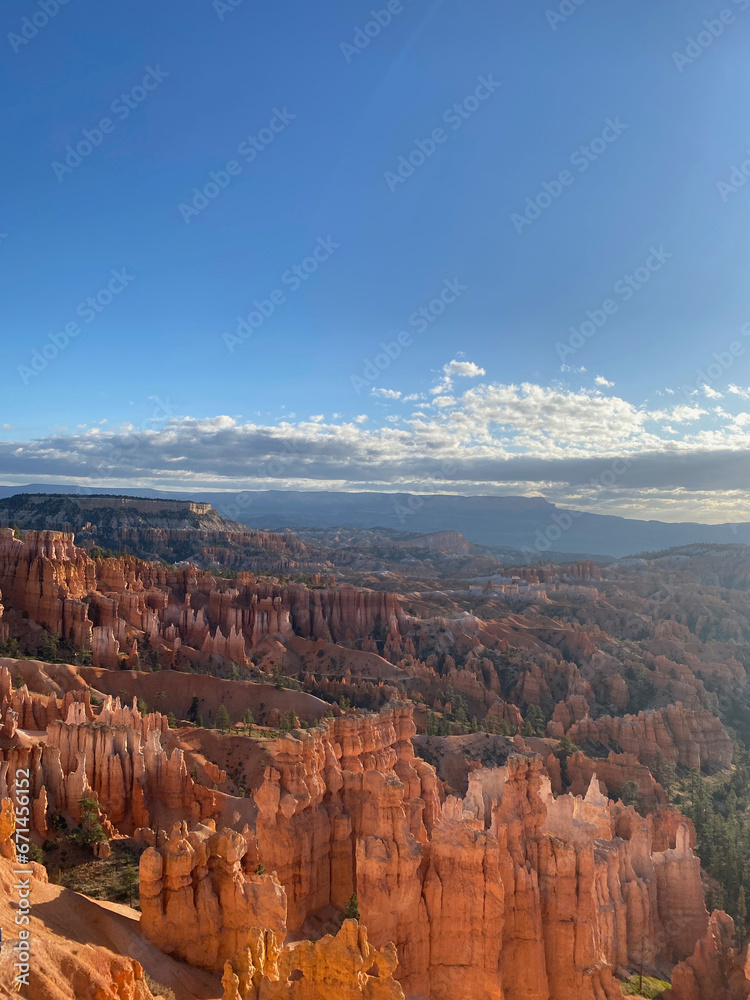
<point x="112" y="753"/>
<point x="47" y="577"/>
<point x="111" y="605"/>
<point x="690" y="738"/>
<point x="157" y="529"/>
<point x="197" y="903"/>
<point x="716" y="969"/>
<point x="508" y="893"/>
<point x="477" y="894"/>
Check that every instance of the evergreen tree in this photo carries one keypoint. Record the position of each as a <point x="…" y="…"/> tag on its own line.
<point x="352" y="908"/>
<point x="90" y="830"/>
<point x="535" y="718"/>
<point x="223" y="722"/>
<point x="741" y="914"/>
<point x="629" y="793"/>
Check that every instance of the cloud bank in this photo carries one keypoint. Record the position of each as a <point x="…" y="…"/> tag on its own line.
<point x="577" y="446"/>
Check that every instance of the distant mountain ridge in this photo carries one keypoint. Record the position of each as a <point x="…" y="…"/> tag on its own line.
<point x="151" y="528"/>
<point x="532" y="525"/>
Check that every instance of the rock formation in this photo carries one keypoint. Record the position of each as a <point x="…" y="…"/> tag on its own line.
<point x="716" y="970"/>
<point x="340" y="967"/>
<point x="196" y="901"/>
<point x="477" y="893"/>
<point x="183" y="611"/>
<point x="681" y="736"/>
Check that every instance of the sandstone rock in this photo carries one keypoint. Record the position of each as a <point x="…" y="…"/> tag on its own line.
<point x="681" y="736"/>
<point x="715" y="970"/>
<point x="196" y="901"/>
<point x="344" y="967"/>
<point x="7" y="830"/>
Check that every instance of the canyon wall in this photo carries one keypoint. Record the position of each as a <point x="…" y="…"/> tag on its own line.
<point x="197" y="903"/>
<point x="110" y="605"/>
<point x="507" y="894"/>
<point x="690" y="738"/>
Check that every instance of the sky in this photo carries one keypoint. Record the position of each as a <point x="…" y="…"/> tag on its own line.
<point x="436" y="246"/>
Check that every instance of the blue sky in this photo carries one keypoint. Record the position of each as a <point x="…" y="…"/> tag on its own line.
<point x="516" y="92"/>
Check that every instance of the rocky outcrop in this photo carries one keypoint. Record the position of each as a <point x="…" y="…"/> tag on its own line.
<point x="477" y="893"/>
<point x="340" y="967"/>
<point x="716" y="969"/>
<point x="614" y="773"/>
<point x="181" y="613"/>
<point x="197" y="903"/>
<point x="115" y="756"/>
<point x="680" y="736"/>
<point x="331" y="795"/>
<point x="120" y="759"/>
<point x="46" y="576"/>
<point x="170" y="530"/>
<point x="7" y="829"/>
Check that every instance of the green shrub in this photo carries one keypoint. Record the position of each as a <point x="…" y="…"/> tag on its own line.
<point x="651" y="989"/>
<point x="352" y="908"/>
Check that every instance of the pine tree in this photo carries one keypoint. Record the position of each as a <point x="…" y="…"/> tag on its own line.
<point x="352" y="908"/>
<point x="741" y="914"/>
<point x="223" y="722"/>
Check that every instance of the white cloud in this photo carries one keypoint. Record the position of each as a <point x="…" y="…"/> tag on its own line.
<point x="737" y="391"/>
<point x="492" y="435"/>
<point x="712" y="393"/>
<point x="463" y="369"/>
<point x="386" y="393"/>
<point x="680" y="414"/>
<point x="601" y="380"/>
